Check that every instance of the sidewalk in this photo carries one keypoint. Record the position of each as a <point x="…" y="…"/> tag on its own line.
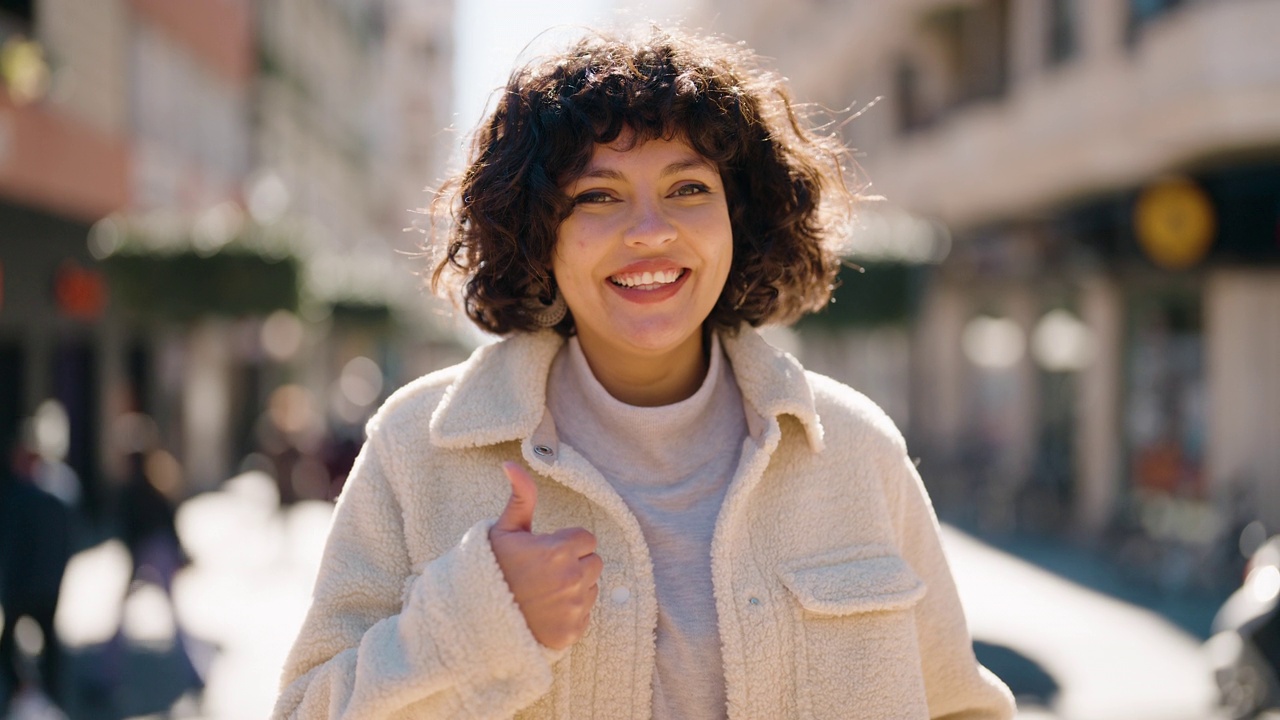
<point x="1104" y="659"/>
<point x="240" y="603"/>
<point x="1191" y="609"/>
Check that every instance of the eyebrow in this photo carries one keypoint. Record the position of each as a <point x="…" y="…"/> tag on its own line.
<point x="678" y="166"/>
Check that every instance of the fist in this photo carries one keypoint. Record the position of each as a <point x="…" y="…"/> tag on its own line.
<point x="554" y="577"/>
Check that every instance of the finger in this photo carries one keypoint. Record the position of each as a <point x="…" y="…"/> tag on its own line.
<point x="580" y="542"/>
<point x="592" y="567"/>
<point x="517" y="516"/>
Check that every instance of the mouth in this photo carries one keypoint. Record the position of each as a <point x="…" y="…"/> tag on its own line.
<point x="648" y="280"/>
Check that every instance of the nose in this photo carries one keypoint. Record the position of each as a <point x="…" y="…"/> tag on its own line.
<point x="650" y="226"/>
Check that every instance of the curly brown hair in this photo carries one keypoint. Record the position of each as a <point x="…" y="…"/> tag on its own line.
<point x="784" y="180"/>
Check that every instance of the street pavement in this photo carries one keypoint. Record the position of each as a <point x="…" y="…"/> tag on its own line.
<point x="1071" y="653"/>
<point x="1110" y="660"/>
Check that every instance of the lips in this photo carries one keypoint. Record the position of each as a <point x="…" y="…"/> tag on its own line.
<point x="649" y="281"/>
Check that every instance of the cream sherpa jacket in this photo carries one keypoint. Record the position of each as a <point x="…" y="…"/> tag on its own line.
<point x="833" y="595"/>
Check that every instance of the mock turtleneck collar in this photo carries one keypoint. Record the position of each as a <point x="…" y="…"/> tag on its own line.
<point x="499" y="393"/>
<point x="667" y="441"/>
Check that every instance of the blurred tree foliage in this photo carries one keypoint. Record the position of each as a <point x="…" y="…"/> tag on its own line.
<point x="883" y="294"/>
<point x="185" y="285"/>
<point x="363" y="314"/>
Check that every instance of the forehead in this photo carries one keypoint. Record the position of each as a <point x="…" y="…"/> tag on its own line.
<point x="626" y="154"/>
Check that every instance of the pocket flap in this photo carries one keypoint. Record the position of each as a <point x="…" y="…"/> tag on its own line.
<point x="857" y="580"/>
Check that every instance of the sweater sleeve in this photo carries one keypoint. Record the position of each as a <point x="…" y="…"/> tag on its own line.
<point x="443" y="640"/>
<point x="957" y="687"/>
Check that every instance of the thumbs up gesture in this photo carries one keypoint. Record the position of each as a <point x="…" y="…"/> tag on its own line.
<point x="553" y="577"/>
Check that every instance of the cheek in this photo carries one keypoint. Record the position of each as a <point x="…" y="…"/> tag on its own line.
<point x="570" y="267"/>
<point x="720" y="245"/>
<point x="573" y="245"/>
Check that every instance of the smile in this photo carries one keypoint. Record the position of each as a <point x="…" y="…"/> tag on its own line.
<point x="647" y="280"/>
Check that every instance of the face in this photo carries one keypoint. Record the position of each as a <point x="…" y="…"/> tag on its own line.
<point x="643" y="256"/>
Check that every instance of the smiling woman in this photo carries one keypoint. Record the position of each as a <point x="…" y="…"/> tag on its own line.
<point x="717" y="532"/>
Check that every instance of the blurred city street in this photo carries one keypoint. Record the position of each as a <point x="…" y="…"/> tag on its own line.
<point x="1080" y="654"/>
<point x="237" y="608"/>
<point x="1067" y="651"/>
<point x="1062" y="284"/>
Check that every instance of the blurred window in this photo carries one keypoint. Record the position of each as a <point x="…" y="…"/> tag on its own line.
<point x="906" y="82"/>
<point x="983" y="45"/>
<point x="16" y="18"/>
<point x="1063" y="34"/>
<point x="1142" y="12"/>
<point x="20" y="10"/>
<point x="965" y="54"/>
<point x="12" y="392"/>
<point x="185" y="116"/>
<point x="1165" y="407"/>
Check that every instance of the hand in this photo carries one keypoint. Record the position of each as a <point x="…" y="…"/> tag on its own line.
<point x="553" y="577"/>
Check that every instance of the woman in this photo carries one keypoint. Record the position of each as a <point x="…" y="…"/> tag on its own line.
<point x="633" y="506"/>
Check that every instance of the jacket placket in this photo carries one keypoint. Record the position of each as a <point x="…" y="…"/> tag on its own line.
<point x="562" y="464"/>
<point x="731" y="601"/>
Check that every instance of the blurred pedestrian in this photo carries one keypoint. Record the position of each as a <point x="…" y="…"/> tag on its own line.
<point x="147" y="512"/>
<point x="633" y="506"/>
<point x="35" y="545"/>
<point x="340" y="452"/>
<point x="49" y="435"/>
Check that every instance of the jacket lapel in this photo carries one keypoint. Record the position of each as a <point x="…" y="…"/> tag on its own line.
<point x="499" y="395"/>
<point x="772" y="382"/>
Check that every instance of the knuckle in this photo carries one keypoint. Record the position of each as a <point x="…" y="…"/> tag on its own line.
<point x="595" y="564"/>
<point x="573" y="575"/>
<point x="579" y="537"/>
<point x="564" y="553"/>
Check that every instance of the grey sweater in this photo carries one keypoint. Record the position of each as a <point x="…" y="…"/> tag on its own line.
<point x="671" y="465"/>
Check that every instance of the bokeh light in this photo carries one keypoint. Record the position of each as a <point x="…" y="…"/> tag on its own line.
<point x="993" y="343"/>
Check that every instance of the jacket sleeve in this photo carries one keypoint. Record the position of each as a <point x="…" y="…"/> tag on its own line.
<point x="444" y="640"/>
<point x="957" y="687"/>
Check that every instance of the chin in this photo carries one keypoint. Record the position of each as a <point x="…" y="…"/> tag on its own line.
<point x="658" y="340"/>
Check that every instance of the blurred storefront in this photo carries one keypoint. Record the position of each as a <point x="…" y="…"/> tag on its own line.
<point x="1099" y="353"/>
<point x="201" y="206"/>
<point x="1122" y="355"/>
<point x="63" y="163"/>
<point x="52" y="303"/>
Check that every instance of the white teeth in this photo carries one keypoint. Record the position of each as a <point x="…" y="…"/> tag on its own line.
<point x="646" y="280"/>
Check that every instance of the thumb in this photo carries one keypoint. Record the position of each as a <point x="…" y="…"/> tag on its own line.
<point x="517" y="516"/>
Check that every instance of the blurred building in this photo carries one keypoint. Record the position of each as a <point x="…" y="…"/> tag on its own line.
<point x="1100" y="348"/>
<point x="65" y="161"/>
<point x="255" y="163"/>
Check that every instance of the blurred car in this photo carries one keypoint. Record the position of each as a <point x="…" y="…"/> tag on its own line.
<point x="1244" y="647"/>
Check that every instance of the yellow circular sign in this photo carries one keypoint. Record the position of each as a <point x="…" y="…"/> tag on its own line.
<point x="1174" y="223"/>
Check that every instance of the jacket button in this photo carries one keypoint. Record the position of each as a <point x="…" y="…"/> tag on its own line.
<point x="620" y="595"/>
<point x="543" y="450"/>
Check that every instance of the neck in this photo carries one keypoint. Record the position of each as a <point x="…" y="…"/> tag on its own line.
<point x="648" y="380"/>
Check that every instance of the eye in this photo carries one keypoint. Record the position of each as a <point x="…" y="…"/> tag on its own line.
<point x="593" y="197"/>
<point x="690" y="190"/>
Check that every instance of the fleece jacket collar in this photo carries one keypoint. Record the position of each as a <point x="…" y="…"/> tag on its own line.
<point x="501" y="391"/>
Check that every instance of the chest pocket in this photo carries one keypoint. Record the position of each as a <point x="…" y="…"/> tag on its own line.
<point x="856" y="646"/>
